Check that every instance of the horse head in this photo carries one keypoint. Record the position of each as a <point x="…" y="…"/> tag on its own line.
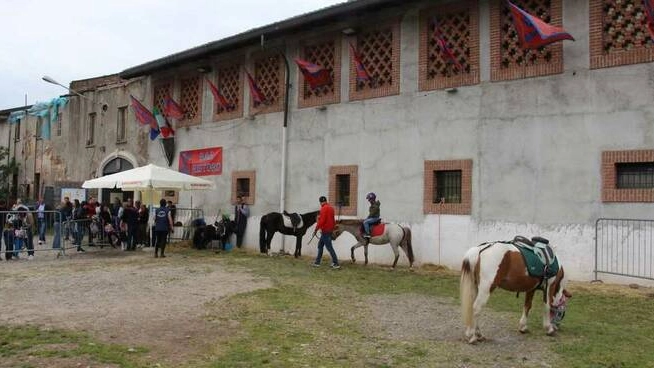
<point x="558" y="297"/>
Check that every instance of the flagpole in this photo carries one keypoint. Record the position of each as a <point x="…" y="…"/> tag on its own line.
<point x="282" y="199"/>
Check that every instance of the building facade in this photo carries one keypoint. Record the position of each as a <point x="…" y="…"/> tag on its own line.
<point x="504" y="141"/>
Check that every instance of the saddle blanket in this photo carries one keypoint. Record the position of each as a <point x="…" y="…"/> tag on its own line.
<point x="289" y="224"/>
<point x="539" y="258"/>
<point x="375" y="230"/>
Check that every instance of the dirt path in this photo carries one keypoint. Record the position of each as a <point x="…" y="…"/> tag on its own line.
<point x="126" y="298"/>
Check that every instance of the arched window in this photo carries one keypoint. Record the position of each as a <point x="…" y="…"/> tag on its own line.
<point x="116" y="165"/>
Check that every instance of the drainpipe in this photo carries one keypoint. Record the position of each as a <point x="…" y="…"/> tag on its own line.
<point x="282" y="196"/>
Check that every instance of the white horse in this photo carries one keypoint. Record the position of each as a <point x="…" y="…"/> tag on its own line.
<point x="394" y="234"/>
<point x="500" y="264"/>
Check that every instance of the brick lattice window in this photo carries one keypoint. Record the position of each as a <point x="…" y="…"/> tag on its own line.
<point x="448" y="187"/>
<point x="159" y="92"/>
<point x="380" y="53"/>
<point x="240" y="178"/>
<point x="269" y="75"/>
<point x="618" y="33"/>
<point x="508" y="59"/>
<point x="191" y="100"/>
<point x="230" y="84"/>
<point x="327" y="55"/>
<point x="458" y="25"/>
<point x="619" y="171"/>
<point x="338" y="177"/>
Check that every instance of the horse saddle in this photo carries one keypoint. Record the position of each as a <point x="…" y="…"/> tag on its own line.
<point x="292" y="220"/>
<point x="538" y="256"/>
<point x="376" y="228"/>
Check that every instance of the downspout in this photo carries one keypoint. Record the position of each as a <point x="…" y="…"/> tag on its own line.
<point x="282" y="195"/>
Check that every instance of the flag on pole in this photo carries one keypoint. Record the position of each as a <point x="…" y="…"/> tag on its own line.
<point x="649" y="9"/>
<point x="362" y="73"/>
<point x="447" y="53"/>
<point x="534" y="32"/>
<point x="172" y="109"/>
<point x="314" y="74"/>
<point x="257" y="96"/>
<point x="143" y="115"/>
<point x="220" y="99"/>
<point x="164" y="127"/>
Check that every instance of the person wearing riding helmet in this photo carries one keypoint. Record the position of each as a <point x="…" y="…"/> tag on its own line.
<point x="373" y="214"/>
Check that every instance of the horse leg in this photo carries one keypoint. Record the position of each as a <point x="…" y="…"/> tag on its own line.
<point x="397" y="254"/>
<point x="298" y="246"/>
<point x="547" y="321"/>
<point x="365" y="252"/>
<point x="529" y="296"/>
<point x="355" y="246"/>
<point x="473" y="333"/>
<point x="269" y="237"/>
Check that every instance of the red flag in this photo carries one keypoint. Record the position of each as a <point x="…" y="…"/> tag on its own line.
<point x="257" y="96"/>
<point x="649" y="9"/>
<point x="362" y="73"/>
<point x="315" y="75"/>
<point x="172" y="109"/>
<point x="447" y="53"/>
<point x="222" y="101"/>
<point x="534" y="32"/>
<point x="143" y="115"/>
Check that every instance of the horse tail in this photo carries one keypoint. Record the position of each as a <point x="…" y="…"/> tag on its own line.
<point x="407" y="242"/>
<point x="468" y="285"/>
<point x="262" y="235"/>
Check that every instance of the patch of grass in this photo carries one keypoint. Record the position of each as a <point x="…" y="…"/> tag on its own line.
<point x="17" y="343"/>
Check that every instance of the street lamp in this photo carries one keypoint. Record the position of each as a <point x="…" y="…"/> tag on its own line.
<point x="48" y="79"/>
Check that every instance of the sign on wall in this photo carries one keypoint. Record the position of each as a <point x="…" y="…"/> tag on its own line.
<point x="202" y="162"/>
<point x="73" y="194"/>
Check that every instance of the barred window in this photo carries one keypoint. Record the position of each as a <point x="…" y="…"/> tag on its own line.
<point x="90" y="130"/>
<point x="638" y="175"/>
<point x="343" y="190"/>
<point x="447" y="186"/>
<point x="58" y="123"/>
<point x="243" y="187"/>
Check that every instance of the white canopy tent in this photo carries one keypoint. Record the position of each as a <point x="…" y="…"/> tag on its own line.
<point x="149" y="177"/>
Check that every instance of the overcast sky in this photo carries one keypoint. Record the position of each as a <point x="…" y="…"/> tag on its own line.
<point x="78" y="39"/>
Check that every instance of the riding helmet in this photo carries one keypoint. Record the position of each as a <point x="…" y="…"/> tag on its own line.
<point x="371" y="196"/>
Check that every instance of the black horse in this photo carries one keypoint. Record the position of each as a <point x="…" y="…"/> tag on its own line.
<point x="220" y="230"/>
<point x="274" y="222"/>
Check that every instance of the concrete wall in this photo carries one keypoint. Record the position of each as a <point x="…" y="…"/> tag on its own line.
<point x="535" y="144"/>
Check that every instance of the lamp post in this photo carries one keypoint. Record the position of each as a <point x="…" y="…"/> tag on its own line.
<point x="50" y="80"/>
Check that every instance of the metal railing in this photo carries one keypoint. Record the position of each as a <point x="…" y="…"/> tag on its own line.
<point x="24" y="232"/>
<point x="624" y="247"/>
<point x="183" y="220"/>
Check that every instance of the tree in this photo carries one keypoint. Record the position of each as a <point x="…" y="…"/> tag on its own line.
<point x="7" y="170"/>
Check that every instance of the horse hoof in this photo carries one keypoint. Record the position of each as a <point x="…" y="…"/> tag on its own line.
<point x="354" y="261"/>
<point x="523" y="330"/>
<point x="551" y="331"/>
<point x="473" y="340"/>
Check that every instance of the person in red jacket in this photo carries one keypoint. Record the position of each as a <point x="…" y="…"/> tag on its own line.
<point x="326" y="224"/>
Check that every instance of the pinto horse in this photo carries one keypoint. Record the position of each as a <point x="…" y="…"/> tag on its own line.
<point x="501" y="265"/>
<point x="274" y="222"/>
<point x="396" y="235"/>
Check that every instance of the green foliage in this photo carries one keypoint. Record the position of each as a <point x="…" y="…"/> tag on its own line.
<point x="7" y="169"/>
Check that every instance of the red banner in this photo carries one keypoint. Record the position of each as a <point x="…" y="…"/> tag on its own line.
<point x="202" y="162"/>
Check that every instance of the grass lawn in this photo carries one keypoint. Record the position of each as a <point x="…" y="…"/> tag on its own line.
<point x="321" y="318"/>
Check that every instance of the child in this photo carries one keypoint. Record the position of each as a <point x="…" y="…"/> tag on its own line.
<point x="8" y="236"/>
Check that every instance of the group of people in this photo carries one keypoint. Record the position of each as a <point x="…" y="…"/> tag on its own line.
<point x="17" y="230"/>
<point x="327" y="223"/>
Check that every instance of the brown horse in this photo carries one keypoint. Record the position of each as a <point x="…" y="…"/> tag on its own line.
<point x="394" y="234"/>
<point x="500" y="265"/>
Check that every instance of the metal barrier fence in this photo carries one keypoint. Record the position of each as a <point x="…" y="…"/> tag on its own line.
<point x="22" y="230"/>
<point x="183" y="219"/>
<point x="624" y="247"/>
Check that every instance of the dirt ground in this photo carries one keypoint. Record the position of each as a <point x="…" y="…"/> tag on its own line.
<point x="117" y="297"/>
<point x="132" y="299"/>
